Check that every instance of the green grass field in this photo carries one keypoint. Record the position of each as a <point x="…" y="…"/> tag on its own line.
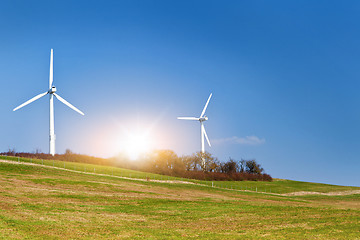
<point x="46" y="201"/>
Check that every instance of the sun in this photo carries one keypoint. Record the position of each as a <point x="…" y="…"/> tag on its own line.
<point x="132" y="139"/>
<point x="137" y="144"/>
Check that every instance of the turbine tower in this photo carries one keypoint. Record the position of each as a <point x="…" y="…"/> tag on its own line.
<point x="52" y="93"/>
<point x="201" y="119"/>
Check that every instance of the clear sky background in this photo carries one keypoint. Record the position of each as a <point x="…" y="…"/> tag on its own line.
<point x="285" y="78"/>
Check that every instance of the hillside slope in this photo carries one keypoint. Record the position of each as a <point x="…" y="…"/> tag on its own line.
<point x="44" y="202"/>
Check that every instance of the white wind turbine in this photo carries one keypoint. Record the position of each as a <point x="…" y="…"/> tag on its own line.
<point x="51" y="92"/>
<point x="201" y="119"/>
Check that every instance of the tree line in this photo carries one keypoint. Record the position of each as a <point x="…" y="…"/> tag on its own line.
<point x="202" y="166"/>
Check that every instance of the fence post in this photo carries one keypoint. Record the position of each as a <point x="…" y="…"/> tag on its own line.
<point x="256" y="189"/>
<point x="212" y="184"/>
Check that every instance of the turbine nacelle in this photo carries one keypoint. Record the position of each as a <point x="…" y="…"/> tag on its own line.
<point x="52" y="90"/>
<point x="203" y="119"/>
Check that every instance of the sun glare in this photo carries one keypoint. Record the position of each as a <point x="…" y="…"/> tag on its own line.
<point x="133" y="139"/>
<point x="136" y="145"/>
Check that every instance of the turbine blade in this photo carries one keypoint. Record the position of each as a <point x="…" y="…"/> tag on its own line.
<point x="51" y="75"/>
<point x="31" y="100"/>
<point x="203" y="112"/>
<point x="188" y="118"/>
<point x="206" y="135"/>
<point x="68" y="104"/>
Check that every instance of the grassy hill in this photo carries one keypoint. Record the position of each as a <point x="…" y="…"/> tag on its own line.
<point x="47" y="201"/>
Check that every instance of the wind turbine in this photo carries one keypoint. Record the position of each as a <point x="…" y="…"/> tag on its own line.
<point x="201" y="119"/>
<point x="51" y="92"/>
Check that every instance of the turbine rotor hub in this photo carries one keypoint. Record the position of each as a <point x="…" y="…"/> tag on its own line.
<point x="203" y="119"/>
<point x="52" y="89"/>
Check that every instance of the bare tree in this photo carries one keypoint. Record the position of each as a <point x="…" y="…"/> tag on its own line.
<point x="253" y="167"/>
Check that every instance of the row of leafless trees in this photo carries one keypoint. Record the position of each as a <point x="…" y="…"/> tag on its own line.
<point x="199" y="165"/>
<point x="202" y="166"/>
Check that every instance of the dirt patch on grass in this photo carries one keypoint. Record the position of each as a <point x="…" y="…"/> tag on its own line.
<point x="342" y="193"/>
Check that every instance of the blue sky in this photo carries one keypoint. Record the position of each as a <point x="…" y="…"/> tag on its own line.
<point x="284" y="77"/>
